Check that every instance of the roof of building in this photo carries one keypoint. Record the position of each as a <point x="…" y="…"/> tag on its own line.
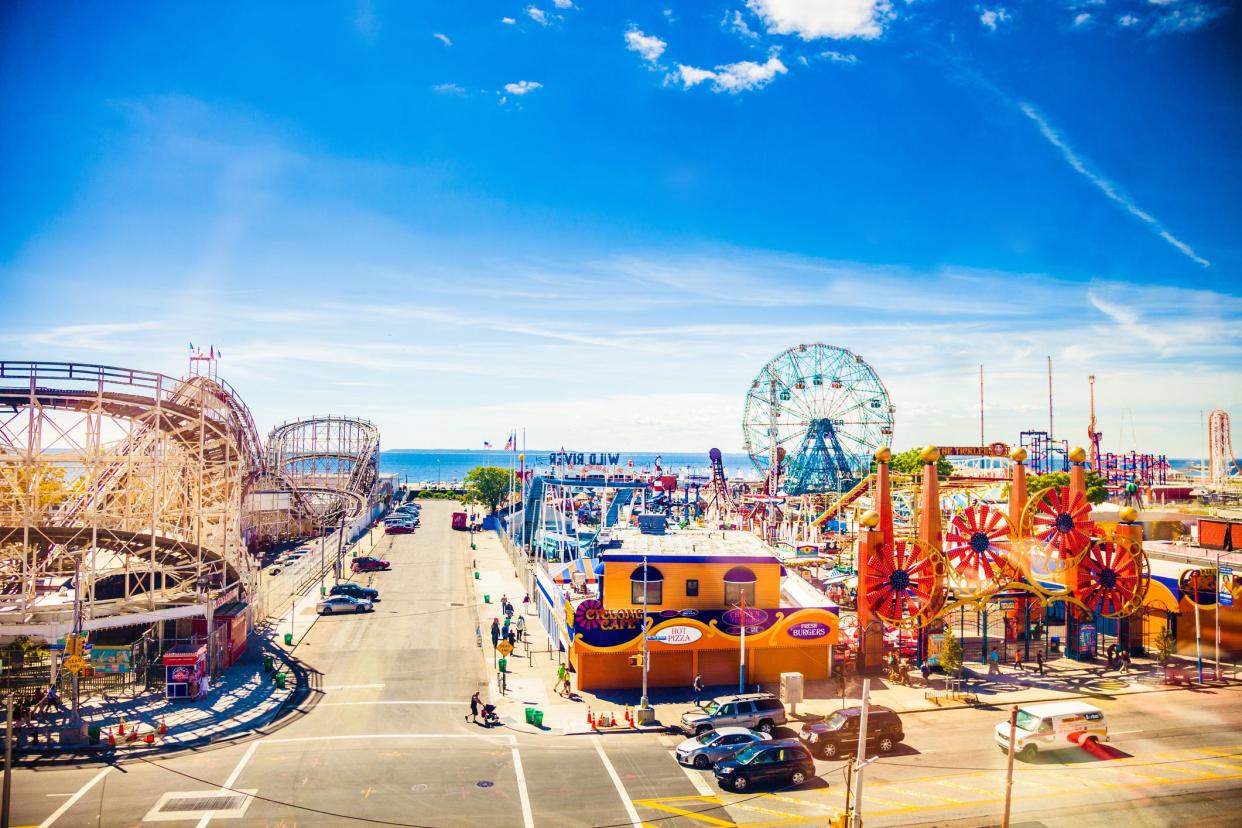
<point x="723" y="546"/>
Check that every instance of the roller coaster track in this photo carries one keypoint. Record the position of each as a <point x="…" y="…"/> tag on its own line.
<point x="844" y="500"/>
<point x="120" y="474"/>
<point x="1220" y="445"/>
<point x="332" y="461"/>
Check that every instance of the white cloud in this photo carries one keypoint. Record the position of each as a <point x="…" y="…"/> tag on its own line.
<point x="649" y="47"/>
<point x="1127" y="20"/>
<point x="1184" y="18"/>
<point x="736" y="23"/>
<point x="742" y="76"/>
<point x="443" y="38"/>
<point x="449" y="89"/>
<point x="1081" y="19"/>
<point x="1107" y="187"/>
<point x="992" y="18"/>
<point x="509" y="21"/>
<point x="563" y="4"/>
<point x="537" y="14"/>
<point x="838" y="57"/>
<point x="522" y="87"/>
<point x="811" y="19"/>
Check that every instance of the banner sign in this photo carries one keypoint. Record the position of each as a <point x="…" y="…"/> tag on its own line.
<point x="584" y="458"/>
<point x="990" y="450"/>
<point x="677" y="634"/>
<point x="598" y="627"/>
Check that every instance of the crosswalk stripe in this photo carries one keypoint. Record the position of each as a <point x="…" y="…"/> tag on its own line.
<point x="661" y="805"/>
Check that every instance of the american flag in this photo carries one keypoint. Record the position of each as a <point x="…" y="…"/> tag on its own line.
<point x="486" y="444"/>
<point x="511" y="443"/>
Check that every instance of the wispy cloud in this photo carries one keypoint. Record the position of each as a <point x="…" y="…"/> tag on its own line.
<point x="743" y="76"/>
<point x="991" y="19"/>
<point x="449" y="89"/>
<point x="443" y="38"/>
<point x="522" y="87"/>
<point x="648" y="47"/>
<point x="538" y="15"/>
<point x="1105" y="186"/>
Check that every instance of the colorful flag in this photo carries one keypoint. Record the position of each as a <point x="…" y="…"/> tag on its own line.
<point x="486" y="444"/>
<point x="511" y="443"/>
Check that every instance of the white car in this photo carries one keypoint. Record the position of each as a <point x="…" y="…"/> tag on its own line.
<point x="334" y="604"/>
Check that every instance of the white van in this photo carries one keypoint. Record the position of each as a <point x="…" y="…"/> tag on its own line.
<point x="1053" y="726"/>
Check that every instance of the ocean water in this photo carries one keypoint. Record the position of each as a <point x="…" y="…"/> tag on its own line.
<point x="449" y="465"/>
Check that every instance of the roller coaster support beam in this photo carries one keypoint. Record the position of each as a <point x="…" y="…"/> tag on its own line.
<point x="1130" y="630"/>
<point x="884" y="496"/>
<point x="1078" y="485"/>
<point x="872" y="541"/>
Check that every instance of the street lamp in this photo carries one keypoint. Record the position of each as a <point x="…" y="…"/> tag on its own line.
<point x="645" y="713"/>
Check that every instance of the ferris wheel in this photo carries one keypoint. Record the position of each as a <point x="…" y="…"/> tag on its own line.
<point x="829" y="411"/>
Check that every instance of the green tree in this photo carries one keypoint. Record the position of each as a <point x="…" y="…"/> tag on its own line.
<point x="951" y="653"/>
<point x="909" y="462"/>
<point x="1166" y="645"/>
<point x="1097" y="486"/>
<point x="488" y="486"/>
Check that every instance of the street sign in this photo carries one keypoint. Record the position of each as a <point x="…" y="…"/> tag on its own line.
<point x="1225" y="597"/>
<point x="1226" y="569"/>
<point x="75" y="663"/>
<point x="504" y="648"/>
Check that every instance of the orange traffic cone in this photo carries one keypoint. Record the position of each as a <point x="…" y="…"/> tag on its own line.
<point x="150" y="738"/>
<point x="629" y="717"/>
<point x="163" y="726"/>
<point x="133" y="735"/>
<point x="590" y="719"/>
<point x="111" y="738"/>
<point x="120" y="728"/>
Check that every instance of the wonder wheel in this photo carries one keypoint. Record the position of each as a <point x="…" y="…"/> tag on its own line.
<point x="1113" y="578"/>
<point x="977" y="550"/>
<point x="1058" y="525"/>
<point x="907" y="583"/>
<point x="826" y="407"/>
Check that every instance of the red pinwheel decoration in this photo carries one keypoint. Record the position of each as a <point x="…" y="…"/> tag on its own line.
<point x="1112" y="578"/>
<point x="906" y="584"/>
<point x="1059" y="521"/>
<point x="976" y="547"/>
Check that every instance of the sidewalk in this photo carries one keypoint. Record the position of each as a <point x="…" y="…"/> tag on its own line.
<point x="532" y="668"/>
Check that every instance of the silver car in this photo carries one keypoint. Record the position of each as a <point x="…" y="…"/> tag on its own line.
<point x="343" y="603"/>
<point x="710" y="747"/>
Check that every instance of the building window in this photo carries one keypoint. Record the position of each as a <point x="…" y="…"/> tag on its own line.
<point x="692" y="587"/>
<point x="650" y="578"/>
<point x="739" y="582"/>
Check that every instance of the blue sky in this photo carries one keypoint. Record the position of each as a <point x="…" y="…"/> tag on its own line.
<point x="598" y="220"/>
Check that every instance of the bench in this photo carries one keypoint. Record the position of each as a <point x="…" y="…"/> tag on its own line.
<point x="1178" y="675"/>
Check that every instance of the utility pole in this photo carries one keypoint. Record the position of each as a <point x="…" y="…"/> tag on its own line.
<point x="981" y="405"/>
<point x="860" y="757"/>
<point x="8" y="761"/>
<point x="645" y="713"/>
<point x="1013" y="727"/>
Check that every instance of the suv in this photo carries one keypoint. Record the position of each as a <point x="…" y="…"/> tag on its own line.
<point x="355" y="591"/>
<point x="783" y="761"/>
<point x="759" y="711"/>
<point x="839" y="733"/>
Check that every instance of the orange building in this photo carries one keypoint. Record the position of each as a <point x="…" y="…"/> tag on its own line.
<point x="695" y="590"/>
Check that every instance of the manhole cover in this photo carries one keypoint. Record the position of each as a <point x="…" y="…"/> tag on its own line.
<point x="419" y="788"/>
<point x="456" y="604"/>
<point x="484" y="783"/>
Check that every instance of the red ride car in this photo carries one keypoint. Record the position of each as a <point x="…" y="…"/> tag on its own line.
<point x="370" y="565"/>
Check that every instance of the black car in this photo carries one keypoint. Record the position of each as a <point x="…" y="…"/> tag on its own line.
<point x="839" y="732"/>
<point x="783" y="762"/>
<point x="355" y="591"/>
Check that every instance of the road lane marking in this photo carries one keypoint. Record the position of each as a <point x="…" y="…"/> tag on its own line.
<point x="746" y="806"/>
<point x="662" y="805"/>
<point x="527" y="818"/>
<point x="73" y="800"/>
<point x="388" y="701"/>
<point x="695" y="778"/>
<point x="232" y="780"/>
<point x="616" y="781"/>
<point x="341" y="738"/>
<point x="350" y="686"/>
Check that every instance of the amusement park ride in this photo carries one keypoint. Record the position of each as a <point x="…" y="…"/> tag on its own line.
<point x="132" y="497"/>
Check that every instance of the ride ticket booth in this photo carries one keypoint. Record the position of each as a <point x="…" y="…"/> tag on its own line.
<point x="185" y="671"/>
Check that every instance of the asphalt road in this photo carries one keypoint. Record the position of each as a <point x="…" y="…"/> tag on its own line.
<point x="386" y="742"/>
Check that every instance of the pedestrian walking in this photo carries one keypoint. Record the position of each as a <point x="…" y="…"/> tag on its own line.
<point x="510" y="636"/>
<point x="698" y="688"/>
<point x="1125" y="661"/>
<point x="495" y="632"/>
<point x="525" y="603"/>
<point x="994" y="663"/>
<point x="925" y="669"/>
<point x="474" y="708"/>
<point x="1039" y="660"/>
<point x="1017" y="661"/>
<point x="562" y="680"/>
<point x="521" y="628"/>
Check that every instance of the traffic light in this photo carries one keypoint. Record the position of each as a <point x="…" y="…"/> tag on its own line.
<point x="73" y="645"/>
<point x="636" y="661"/>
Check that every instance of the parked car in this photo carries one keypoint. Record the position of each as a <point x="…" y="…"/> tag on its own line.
<point x="368" y="564"/>
<point x="780" y="761"/>
<point x="355" y="591"/>
<point x="334" y="604"/>
<point x="759" y="711"/>
<point x="839" y="732"/>
<point x="398" y="529"/>
<point x="708" y="748"/>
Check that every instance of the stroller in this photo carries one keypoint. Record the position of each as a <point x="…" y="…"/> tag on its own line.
<point x="490" y="717"/>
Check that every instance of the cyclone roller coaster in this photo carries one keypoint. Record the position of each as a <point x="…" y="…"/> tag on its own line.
<point x="129" y="496"/>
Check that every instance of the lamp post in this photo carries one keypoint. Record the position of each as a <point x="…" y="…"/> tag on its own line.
<point x="645" y="713"/>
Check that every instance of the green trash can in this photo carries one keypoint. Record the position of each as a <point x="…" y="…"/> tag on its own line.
<point x="280" y="680"/>
<point x="288" y="639"/>
<point x="92" y="732"/>
<point x="530" y="715"/>
<point x="269" y="664"/>
<point x="502" y="664"/>
<point x="487" y="599"/>
<point x="476" y="575"/>
<point x="537" y="718"/>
